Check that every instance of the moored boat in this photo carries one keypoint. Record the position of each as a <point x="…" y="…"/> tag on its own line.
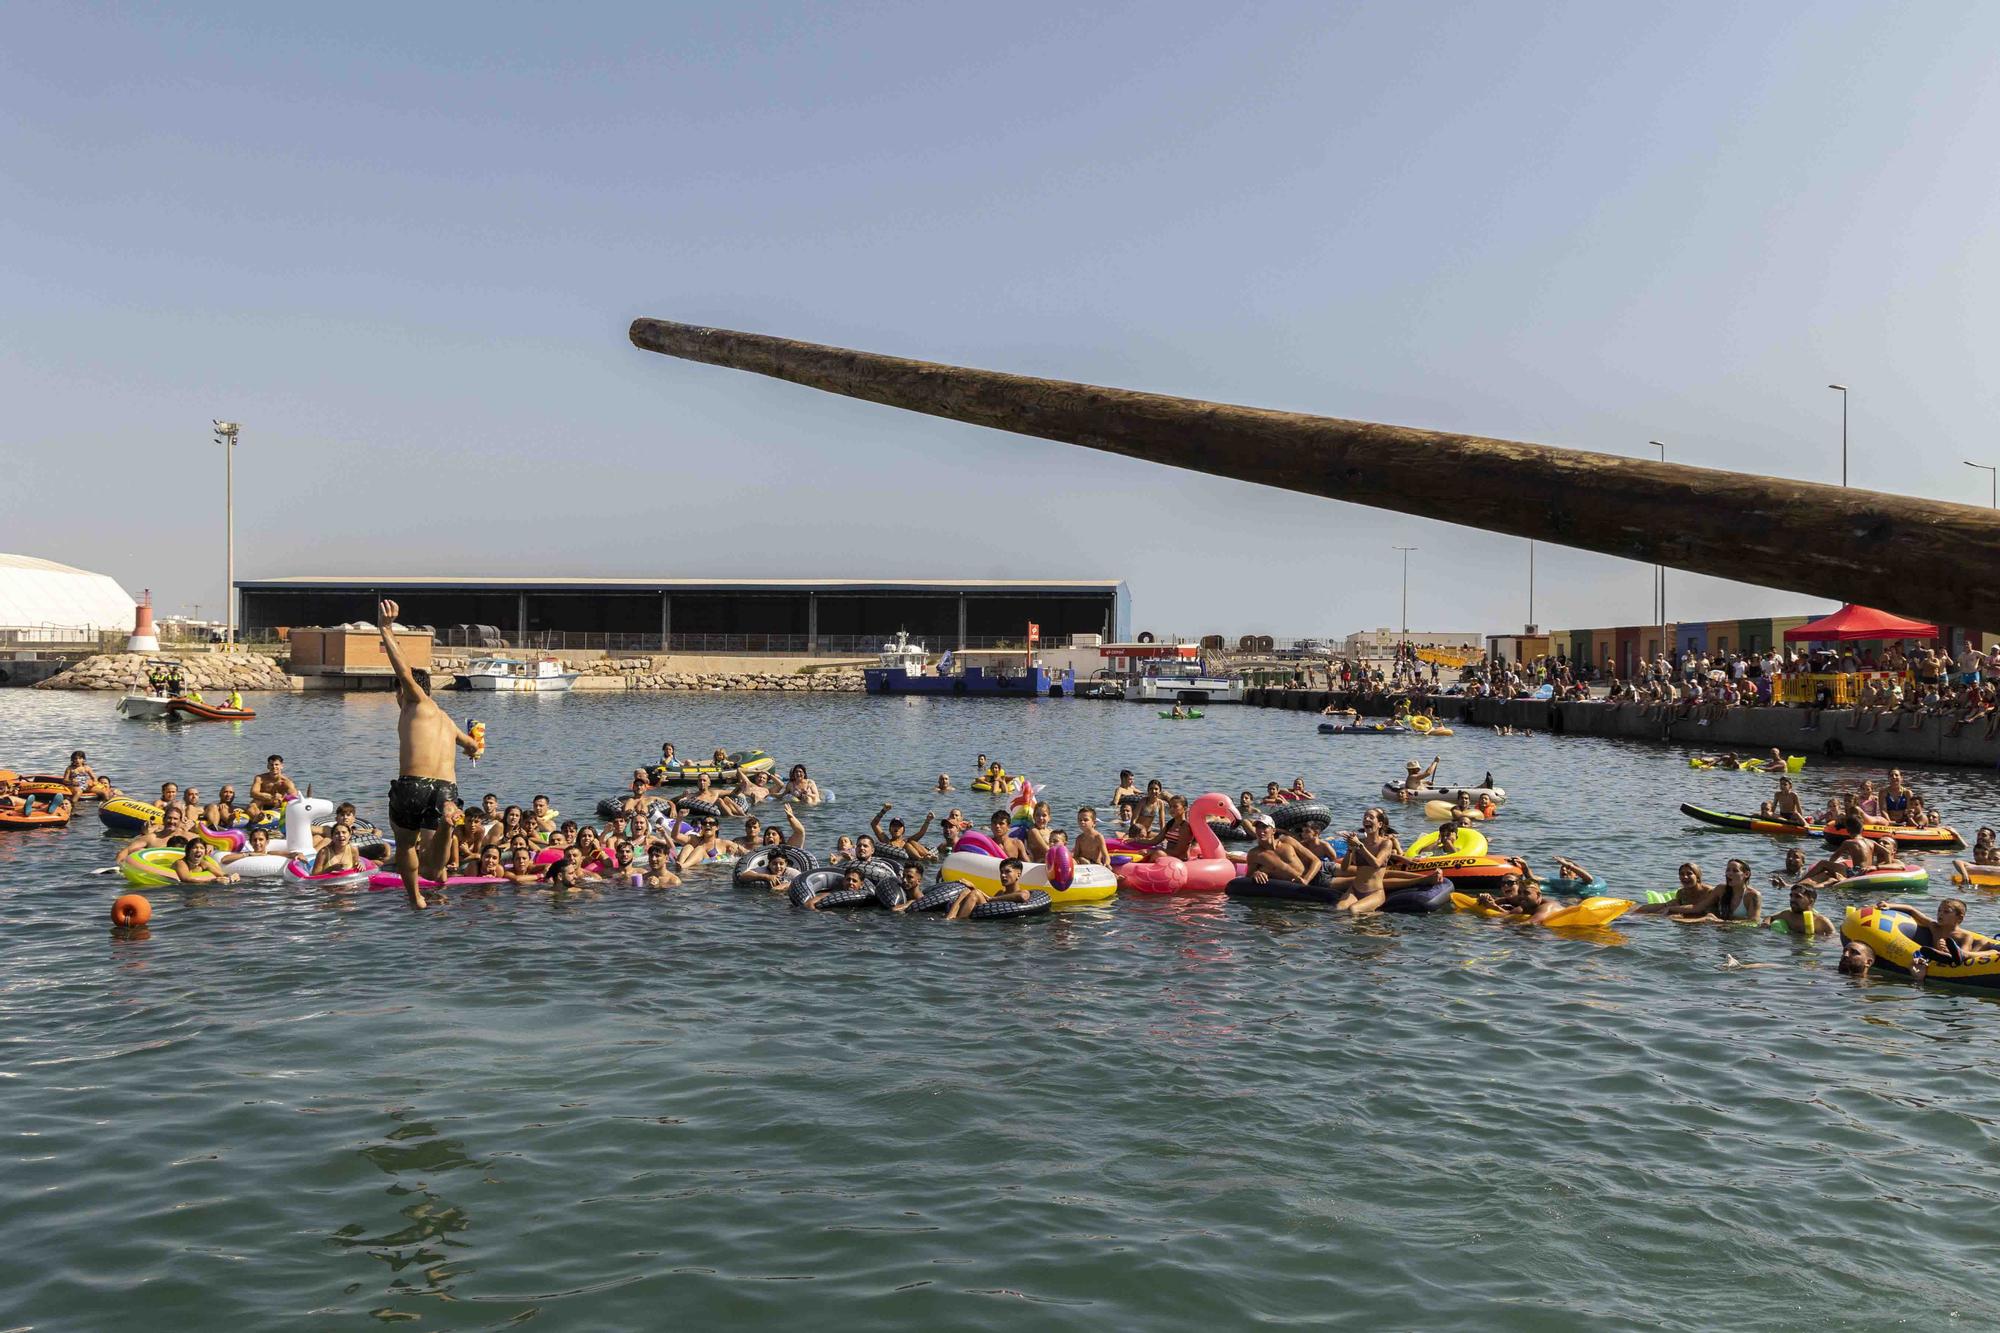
<point x="515" y="675"/>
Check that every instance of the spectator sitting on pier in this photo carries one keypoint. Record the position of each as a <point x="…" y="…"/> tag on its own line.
<point x="1869" y="705"/>
<point x="1917" y="702"/>
<point x="1975" y="703"/>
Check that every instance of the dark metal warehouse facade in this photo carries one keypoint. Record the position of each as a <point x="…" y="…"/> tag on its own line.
<point x="798" y="615"/>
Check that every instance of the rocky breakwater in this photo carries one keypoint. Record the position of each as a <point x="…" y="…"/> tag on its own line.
<point x="645" y="673"/>
<point x="836" y="682"/>
<point x="214" y="674"/>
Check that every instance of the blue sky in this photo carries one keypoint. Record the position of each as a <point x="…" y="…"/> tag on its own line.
<point x="402" y="244"/>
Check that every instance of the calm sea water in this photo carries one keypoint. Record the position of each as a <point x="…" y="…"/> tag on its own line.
<point x="695" y="1108"/>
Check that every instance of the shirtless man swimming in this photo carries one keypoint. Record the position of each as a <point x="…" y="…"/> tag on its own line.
<point x="1090" y="848"/>
<point x="425" y="792"/>
<point x="270" y="789"/>
<point x="222" y="811"/>
<point x="898" y="834"/>
<point x="1000" y="829"/>
<point x="1785" y="805"/>
<point x="172" y="823"/>
<point x="1286" y="861"/>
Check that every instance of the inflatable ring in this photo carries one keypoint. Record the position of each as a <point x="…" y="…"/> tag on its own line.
<point x="877" y="872"/>
<point x="1420" y="724"/>
<point x="131" y="910"/>
<point x="798" y="858"/>
<point x="1470" y="842"/>
<point x="1302" y="814"/>
<point x="938" y="897"/>
<point x="1038" y="903"/>
<point x="848" y="898"/>
<point x="151" y="868"/>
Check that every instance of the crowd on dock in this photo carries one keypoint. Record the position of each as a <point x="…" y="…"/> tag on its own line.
<point x="1894" y="691"/>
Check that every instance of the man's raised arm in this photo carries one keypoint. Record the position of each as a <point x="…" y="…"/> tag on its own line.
<point x="385" y="620"/>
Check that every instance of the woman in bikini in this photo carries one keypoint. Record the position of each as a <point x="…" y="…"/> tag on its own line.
<point x="339" y="853"/>
<point x="801" y="788"/>
<point x="1691" y="899"/>
<point x="196" y="867"/>
<point x="1896" y="799"/>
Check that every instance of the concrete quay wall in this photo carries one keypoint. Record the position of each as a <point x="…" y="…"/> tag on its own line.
<point x="1748" y="731"/>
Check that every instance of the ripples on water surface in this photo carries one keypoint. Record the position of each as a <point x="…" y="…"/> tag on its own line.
<point x="291" y="1109"/>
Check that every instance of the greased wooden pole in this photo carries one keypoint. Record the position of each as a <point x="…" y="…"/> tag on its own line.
<point x="1917" y="557"/>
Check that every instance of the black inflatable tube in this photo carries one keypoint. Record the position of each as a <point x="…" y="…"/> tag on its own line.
<point x="937" y="897"/>
<point x="1038" y="903"/>
<point x="1282" y="890"/>
<point x="848" y="898"/>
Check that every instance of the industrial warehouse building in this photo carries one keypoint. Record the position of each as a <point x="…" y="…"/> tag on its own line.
<point x="695" y="615"/>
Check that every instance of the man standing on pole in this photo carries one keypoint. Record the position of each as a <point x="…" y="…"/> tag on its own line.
<point x="423" y="800"/>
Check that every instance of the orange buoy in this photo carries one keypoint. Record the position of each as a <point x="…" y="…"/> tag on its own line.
<point x="131" y="910"/>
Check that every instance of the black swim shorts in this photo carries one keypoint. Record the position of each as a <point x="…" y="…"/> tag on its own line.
<point x="418" y="803"/>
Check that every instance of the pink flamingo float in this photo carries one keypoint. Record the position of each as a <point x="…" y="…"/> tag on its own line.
<point x="1207" y="871"/>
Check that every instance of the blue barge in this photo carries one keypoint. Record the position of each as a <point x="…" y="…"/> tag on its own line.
<point x="903" y="669"/>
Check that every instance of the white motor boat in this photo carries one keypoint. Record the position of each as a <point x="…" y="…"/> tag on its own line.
<point x="544" y="676"/>
<point x="144" y="707"/>
<point x="1187" y="686"/>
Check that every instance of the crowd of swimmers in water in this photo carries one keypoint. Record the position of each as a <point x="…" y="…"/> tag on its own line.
<point x="655" y="836"/>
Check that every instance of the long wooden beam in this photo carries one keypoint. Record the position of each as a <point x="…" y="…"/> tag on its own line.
<point x="1917" y="557"/>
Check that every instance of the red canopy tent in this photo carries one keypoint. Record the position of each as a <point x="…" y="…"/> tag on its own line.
<point x="1859" y="622"/>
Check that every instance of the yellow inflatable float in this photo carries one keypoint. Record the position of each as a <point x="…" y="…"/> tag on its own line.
<point x="1589" y="912"/>
<point x="1439" y="811"/>
<point x="1793" y="764"/>
<point x="1088" y="883"/>
<point x="1470" y="842"/>
<point x="1892" y="936"/>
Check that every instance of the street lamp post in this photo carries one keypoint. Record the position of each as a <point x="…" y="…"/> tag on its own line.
<point x="225" y="435"/>
<point x="1842" y="388"/>
<point x="1993" y="471"/>
<point x="1403" y="649"/>
<point x="1660" y="584"/>
<point x="1531" y="585"/>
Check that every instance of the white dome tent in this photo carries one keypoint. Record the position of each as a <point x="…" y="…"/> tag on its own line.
<point x="42" y="601"/>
